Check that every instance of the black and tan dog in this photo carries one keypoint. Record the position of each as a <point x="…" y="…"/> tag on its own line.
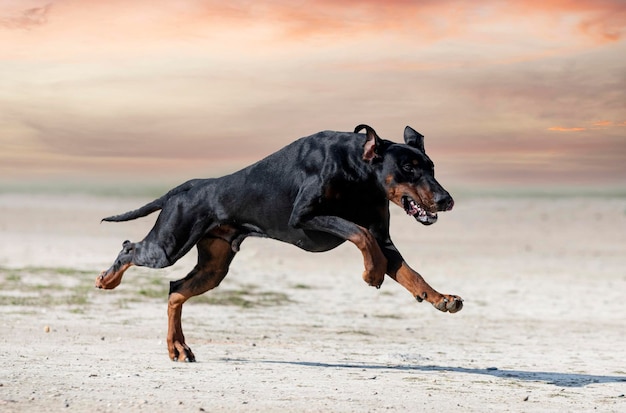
<point x="315" y="193"/>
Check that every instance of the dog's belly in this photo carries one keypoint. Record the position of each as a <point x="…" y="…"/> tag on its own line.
<point x="313" y="241"/>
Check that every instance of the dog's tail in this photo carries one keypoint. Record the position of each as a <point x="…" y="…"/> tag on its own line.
<point x="153" y="206"/>
<point x="147" y="209"/>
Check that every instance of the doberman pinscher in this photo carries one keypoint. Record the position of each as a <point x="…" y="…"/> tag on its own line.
<point x="315" y="193"/>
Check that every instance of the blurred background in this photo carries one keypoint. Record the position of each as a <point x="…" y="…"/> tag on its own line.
<point x="511" y="95"/>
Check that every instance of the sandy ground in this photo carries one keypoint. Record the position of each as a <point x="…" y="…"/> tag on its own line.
<point x="543" y="328"/>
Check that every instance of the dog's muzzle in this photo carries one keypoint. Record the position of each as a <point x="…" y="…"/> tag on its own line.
<point x="416" y="210"/>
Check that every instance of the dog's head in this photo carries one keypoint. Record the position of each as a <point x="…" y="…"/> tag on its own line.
<point x="407" y="174"/>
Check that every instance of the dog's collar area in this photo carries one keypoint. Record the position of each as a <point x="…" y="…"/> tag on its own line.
<point x="414" y="209"/>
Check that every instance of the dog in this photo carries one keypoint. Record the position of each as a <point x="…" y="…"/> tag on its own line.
<point x="315" y="193"/>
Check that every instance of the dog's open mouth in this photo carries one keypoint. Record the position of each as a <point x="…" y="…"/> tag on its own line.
<point x="413" y="208"/>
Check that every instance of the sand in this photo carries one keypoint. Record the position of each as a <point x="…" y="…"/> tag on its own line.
<point x="543" y="327"/>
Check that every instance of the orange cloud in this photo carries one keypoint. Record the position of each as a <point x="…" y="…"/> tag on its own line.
<point x="602" y="21"/>
<point x="562" y="129"/>
<point x="141" y="26"/>
<point x="603" y="123"/>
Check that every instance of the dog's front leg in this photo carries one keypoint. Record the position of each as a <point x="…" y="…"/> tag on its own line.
<point x="410" y="279"/>
<point x="373" y="258"/>
<point x="422" y="291"/>
<point x="303" y="217"/>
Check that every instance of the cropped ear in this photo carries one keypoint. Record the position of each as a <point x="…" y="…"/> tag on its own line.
<point x="414" y="138"/>
<point x="372" y="147"/>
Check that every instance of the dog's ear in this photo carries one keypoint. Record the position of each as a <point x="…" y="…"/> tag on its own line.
<point x="372" y="148"/>
<point x="414" y="138"/>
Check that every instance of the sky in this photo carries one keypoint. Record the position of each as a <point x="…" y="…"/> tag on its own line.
<point x="506" y="93"/>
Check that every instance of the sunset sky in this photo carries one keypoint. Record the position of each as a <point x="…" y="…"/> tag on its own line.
<point x="506" y="92"/>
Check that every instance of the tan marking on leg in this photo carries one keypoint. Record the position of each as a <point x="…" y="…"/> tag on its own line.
<point x="214" y="257"/>
<point x="421" y="290"/>
<point x="373" y="258"/>
<point x="176" y="346"/>
<point x="109" y="280"/>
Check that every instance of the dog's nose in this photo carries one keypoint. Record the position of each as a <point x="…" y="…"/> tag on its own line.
<point x="450" y="204"/>
<point x="445" y="202"/>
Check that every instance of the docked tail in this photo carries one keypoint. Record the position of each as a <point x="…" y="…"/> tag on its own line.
<point x="153" y="206"/>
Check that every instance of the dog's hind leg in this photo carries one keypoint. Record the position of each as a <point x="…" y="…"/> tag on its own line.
<point x="144" y="254"/>
<point x="174" y="233"/>
<point x="214" y="258"/>
<point x="112" y="277"/>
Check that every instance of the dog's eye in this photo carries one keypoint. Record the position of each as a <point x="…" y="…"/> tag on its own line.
<point x="407" y="167"/>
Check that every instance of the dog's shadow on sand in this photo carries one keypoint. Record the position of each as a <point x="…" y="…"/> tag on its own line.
<point x="548" y="377"/>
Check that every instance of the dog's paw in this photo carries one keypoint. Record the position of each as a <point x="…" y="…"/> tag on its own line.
<point x="181" y="352"/>
<point x="449" y="303"/>
<point x="373" y="279"/>
<point x="446" y="303"/>
<point x="111" y="278"/>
